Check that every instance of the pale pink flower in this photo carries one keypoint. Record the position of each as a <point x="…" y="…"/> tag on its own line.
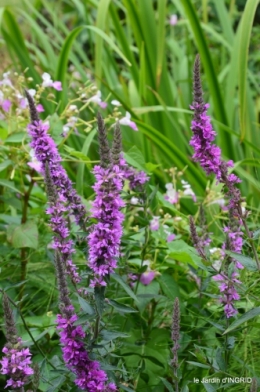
<point x="34" y="163"/>
<point x="97" y="99"/>
<point x="147" y="277"/>
<point x="39" y="108"/>
<point x="127" y="121"/>
<point x="6" y="104"/>
<point x="48" y="82"/>
<point x="154" y="223"/>
<point x="173" y="20"/>
<point x="171" y="194"/>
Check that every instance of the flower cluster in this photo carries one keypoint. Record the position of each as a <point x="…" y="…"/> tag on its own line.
<point x="16" y="364"/>
<point x="17" y="360"/>
<point x="46" y="151"/>
<point x="89" y="376"/>
<point x="209" y="157"/>
<point x="104" y="239"/>
<point x="59" y="226"/>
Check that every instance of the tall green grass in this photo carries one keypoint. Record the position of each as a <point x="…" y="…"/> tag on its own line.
<point x="136" y="56"/>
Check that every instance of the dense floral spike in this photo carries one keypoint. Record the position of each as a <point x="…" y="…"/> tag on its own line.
<point x="46" y="151"/>
<point x="105" y="236"/>
<point x="58" y="223"/>
<point x="117" y="145"/>
<point x="89" y="376"/>
<point x="17" y="360"/>
<point x="209" y="157"/>
<point x="104" y="149"/>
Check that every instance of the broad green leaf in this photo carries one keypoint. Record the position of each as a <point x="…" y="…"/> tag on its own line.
<point x="16" y="137"/>
<point x="241" y="320"/>
<point x="135" y="158"/>
<point x="246" y="261"/>
<point x="181" y="251"/>
<point x="127" y="289"/>
<point x="169" y="286"/>
<point x="167" y="384"/>
<point x="112" y="335"/>
<point x="9" y="184"/>
<point x="85" y="306"/>
<point x="197" y="364"/>
<point x="23" y="236"/>
<point x="5" y="164"/>
<point x="120" y="307"/>
<point x="100" y="298"/>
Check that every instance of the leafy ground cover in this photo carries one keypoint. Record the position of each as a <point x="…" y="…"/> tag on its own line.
<point x="129" y="246"/>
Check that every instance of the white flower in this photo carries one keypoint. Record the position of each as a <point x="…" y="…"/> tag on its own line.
<point x="134" y="200"/>
<point x="32" y="92"/>
<point x="220" y="202"/>
<point x="171" y="194"/>
<point x="47" y="81"/>
<point x="96" y="98"/>
<point x="127" y="121"/>
<point x="115" y="103"/>
<point x="73" y="108"/>
<point x="214" y="250"/>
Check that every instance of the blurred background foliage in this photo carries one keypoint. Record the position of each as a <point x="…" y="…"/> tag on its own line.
<point x="136" y="56"/>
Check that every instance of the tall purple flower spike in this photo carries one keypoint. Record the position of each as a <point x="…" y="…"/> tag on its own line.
<point x="46" y="151"/>
<point x="16" y="362"/>
<point x="89" y="376"/>
<point x="59" y="225"/>
<point x="105" y="236"/>
<point x="209" y="157"/>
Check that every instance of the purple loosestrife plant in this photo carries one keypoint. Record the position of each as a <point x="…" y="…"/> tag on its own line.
<point x="46" y="151"/>
<point x="58" y="223"/>
<point x="209" y="157"/>
<point x="16" y="362"/>
<point x="89" y="376"/>
<point x="105" y="236"/>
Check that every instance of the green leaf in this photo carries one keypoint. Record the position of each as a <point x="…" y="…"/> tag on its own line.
<point x="201" y="365"/>
<point x="246" y="261"/>
<point x="16" y="137"/>
<point x="112" y="335"/>
<point x="135" y="158"/>
<point x="181" y="251"/>
<point x="5" y="164"/>
<point x="125" y="286"/>
<point x="99" y="292"/>
<point x="10" y="185"/>
<point x="167" y="384"/>
<point x="247" y="316"/>
<point x="169" y="286"/>
<point x="85" y="306"/>
<point x="23" y="236"/>
<point x="120" y="307"/>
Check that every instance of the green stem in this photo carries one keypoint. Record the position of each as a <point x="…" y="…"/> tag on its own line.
<point x="24" y="257"/>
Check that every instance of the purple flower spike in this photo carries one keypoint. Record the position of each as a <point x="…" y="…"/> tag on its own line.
<point x="209" y="157"/>
<point x="89" y="376"/>
<point x="17" y="360"/>
<point x="105" y="237"/>
<point x="46" y="151"/>
<point x="58" y="223"/>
